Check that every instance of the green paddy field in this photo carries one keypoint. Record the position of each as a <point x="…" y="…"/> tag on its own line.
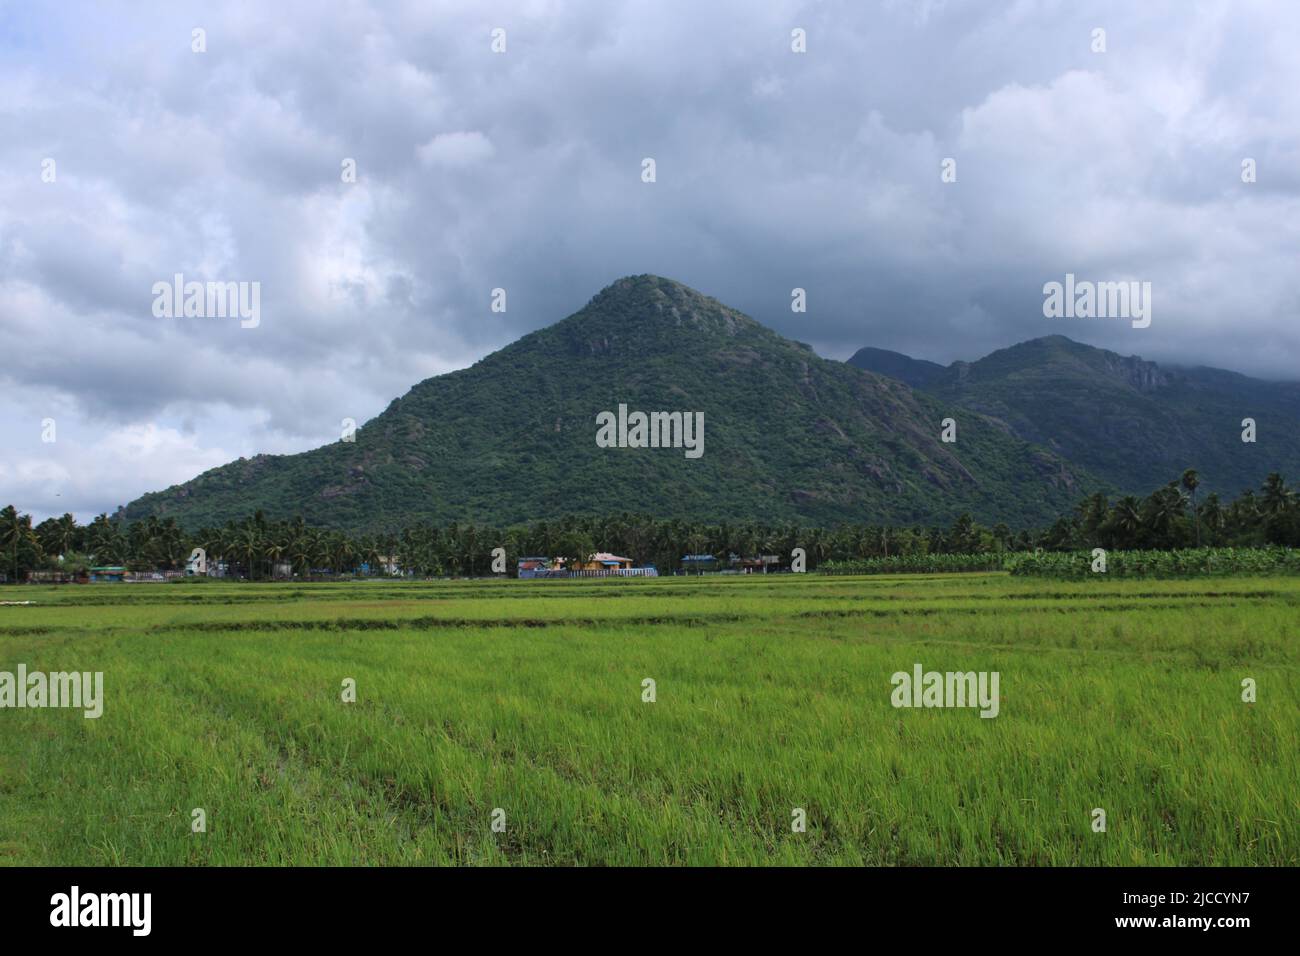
<point x="772" y="693"/>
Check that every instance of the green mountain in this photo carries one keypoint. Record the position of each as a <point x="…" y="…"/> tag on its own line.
<point x="1131" y="422"/>
<point x="917" y="373"/>
<point x="787" y="436"/>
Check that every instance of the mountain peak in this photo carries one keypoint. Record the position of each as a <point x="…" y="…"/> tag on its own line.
<point x="643" y="284"/>
<point x="652" y="299"/>
<point x="1124" y="418"/>
<point x="1048" y="354"/>
<point x="649" y="315"/>
<point x="639" y="288"/>
<point x="917" y="373"/>
<point x="512" y="439"/>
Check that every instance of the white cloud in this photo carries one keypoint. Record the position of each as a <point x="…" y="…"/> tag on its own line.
<point x="478" y="170"/>
<point x="456" y="149"/>
<point x="86" y="477"/>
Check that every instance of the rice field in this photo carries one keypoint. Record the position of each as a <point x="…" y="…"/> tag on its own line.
<point x="524" y="705"/>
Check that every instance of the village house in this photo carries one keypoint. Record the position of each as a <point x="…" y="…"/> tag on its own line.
<point x="600" y="564"/>
<point x="113" y="575"/>
<point x="735" y="564"/>
<point x="699" y="563"/>
<point x="604" y="561"/>
<point x="533" y="567"/>
<point x="759" y="564"/>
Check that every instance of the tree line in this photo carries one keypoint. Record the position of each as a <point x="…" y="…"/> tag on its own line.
<point x="1171" y="517"/>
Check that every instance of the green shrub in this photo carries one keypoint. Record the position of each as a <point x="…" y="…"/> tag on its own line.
<point x="919" y="564"/>
<point x="1190" y="562"/>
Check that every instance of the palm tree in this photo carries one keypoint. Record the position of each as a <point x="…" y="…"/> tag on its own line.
<point x="273" y="551"/>
<point x="58" y="535"/>
<point x="172" y="543"/>
<point x="340" y="552"/>
<point x="696" y="539"/>
<point x="1191" y="482"/>
<point x="248" y="546"/>
<point x="302" y="552"/>
<point x="1277" y="496"/>
<point x="469" y="547"/>
<point x="369" y="550"/>
<point x="106" y="541"/>
<point x="1212" y="513"/>
<point x="1002" y="534"/>
<point x="16" y="536"/>
<point x="1127" y="518"/>
<point x="1159" y="512"/>
<point x="1092" y="515"/>
<point x="575" y="546"/>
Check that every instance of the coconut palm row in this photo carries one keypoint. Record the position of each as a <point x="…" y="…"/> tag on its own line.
<point x="1170" y="518"/>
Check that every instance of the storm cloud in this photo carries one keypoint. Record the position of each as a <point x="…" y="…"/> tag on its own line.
<point x="126" y="158"/>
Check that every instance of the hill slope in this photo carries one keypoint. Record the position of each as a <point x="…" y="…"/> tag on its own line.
<point x="917" y="373"/>
<point x="1130" y="422"/>
<point x="788" y="435"/>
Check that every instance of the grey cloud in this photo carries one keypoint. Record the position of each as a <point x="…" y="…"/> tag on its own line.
<point x="775" y="169"/>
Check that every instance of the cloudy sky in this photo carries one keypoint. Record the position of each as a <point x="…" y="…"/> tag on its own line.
<point x="522" y="170"/>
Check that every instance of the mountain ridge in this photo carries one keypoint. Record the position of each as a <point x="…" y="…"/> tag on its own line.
<point x="1128" y="420"/>
<point x="790" y="435"/>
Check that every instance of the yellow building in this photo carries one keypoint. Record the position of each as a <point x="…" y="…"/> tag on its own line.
<point x="604" y="561"/>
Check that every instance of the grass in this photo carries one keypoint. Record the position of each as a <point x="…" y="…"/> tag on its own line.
<point x="772" y="693"/>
